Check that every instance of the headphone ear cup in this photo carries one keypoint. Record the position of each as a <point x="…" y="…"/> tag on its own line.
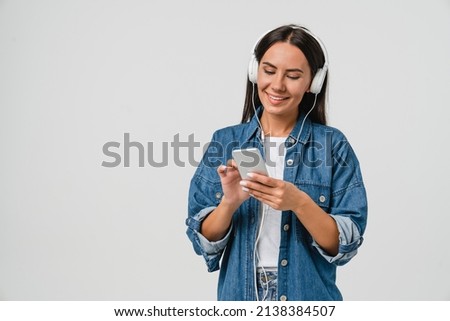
<point x="317" y="82"/>
<point x="253" y="69"/>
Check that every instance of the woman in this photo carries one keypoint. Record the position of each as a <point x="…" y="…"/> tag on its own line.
<point x="282" y="236"/>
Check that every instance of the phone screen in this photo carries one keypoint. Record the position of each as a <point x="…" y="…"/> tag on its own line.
<point x="249" y="160"/>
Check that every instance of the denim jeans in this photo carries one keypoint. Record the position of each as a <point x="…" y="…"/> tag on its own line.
<point x="267" y="285"/>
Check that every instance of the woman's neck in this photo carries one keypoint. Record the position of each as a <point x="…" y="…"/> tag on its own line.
<point x="277" y="126"/>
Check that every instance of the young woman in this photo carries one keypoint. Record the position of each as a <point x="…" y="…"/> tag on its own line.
<point x="281" y="236"/>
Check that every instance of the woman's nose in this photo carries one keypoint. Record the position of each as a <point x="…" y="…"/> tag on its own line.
<point x="278" y="82"/>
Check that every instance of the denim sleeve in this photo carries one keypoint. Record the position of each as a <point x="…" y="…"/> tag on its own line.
<point x="205" y="193"/>
<point x="349" y="241"/>
<point x="348" y="206"/>
<point x="211" y="251"/>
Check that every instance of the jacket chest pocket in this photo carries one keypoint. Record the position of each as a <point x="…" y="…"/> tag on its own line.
<point x="205" y="193"/>
<point x="321" y="196"/>
<point x="318" y="193"/>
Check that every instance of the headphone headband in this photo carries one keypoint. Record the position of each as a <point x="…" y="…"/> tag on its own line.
<point x="319" y="77"/>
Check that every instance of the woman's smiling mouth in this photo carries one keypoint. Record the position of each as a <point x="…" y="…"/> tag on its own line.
<point x="275" y="99"/>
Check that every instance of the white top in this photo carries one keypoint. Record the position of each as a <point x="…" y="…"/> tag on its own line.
<point x="270" y="231"/>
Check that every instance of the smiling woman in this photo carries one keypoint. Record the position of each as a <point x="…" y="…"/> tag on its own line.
<point x="281" y="236"/>
<point x="284" y="80"/>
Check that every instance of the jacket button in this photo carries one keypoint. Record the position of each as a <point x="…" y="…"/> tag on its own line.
<point x="322" y="198"/>
<point x="284" y="262"/>
<point x="283" y="298"/>
<point x="289" y="162"/>
<point x="218" y="195"/>
<point x="286" y="227"/>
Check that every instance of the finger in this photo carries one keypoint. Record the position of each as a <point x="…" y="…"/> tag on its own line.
<point x="263" y="179"/>
<point x="222" y="170"/>
<point x="227" y="172"/>
<point x="266" y="199"/>
<point x="256" y="186"/>
<point x="232" y="163"/>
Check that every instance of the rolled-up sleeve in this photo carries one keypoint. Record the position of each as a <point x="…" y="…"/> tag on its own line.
<point x="211" y="251"/>
<point x="349" y="241"/>
<point x="209" y="247"/>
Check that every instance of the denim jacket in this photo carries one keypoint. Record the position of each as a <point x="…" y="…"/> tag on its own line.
<point x="323" y="164"/>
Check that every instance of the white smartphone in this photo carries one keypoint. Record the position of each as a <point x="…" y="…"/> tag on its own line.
<point x="249" y="160"/>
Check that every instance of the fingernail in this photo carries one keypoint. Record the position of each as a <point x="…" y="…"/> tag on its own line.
<point x="243" y="183"/>
<point x="245" y="189"/>
<point x="250" y="175"/>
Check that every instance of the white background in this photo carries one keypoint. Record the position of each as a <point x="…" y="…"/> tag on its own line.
<point x="75" y="75"/>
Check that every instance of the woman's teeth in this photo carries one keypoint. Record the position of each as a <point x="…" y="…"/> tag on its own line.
<point x="276" y="98"/>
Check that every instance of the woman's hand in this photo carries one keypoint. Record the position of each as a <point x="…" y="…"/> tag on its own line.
<point x="283" y="196"/>
<point x="215" y="226"/>
<point x="278" y="194"/>
<point x="230" y="179"/>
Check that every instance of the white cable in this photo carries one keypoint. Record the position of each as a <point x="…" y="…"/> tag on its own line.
<point x="303" y="122"/>
<point x="256" y="256"/>
<point x="256" y="115"/>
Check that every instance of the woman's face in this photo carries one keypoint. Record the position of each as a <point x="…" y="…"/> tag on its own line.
<point x="284" y="76"/>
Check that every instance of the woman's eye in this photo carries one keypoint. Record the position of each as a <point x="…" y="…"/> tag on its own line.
<point x="294" y="77"/>
<point x="269" y="72"/>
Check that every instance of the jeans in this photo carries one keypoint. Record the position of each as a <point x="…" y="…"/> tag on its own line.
<point x="267" y="285"/>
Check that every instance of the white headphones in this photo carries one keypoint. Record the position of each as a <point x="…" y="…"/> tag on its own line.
<point x="319" y="77"/>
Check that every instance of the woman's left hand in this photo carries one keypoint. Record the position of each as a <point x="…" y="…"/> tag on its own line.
<point x="278" y="194"/>
<point x="284" y="196"/>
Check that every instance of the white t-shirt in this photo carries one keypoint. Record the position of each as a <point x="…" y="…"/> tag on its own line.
<point x="270" y="231"/>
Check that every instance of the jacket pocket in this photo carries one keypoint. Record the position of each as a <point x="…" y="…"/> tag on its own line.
<point x="205" y="193"/>
<point x="320" y="194"/>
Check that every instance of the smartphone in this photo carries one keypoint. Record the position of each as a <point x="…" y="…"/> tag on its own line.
<point x="249" y="160"/>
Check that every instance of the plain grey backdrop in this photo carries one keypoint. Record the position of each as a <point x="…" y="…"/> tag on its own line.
<point x="75" y="75"/>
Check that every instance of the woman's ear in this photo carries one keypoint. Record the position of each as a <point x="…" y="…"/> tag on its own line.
<point x="309" y="88"/>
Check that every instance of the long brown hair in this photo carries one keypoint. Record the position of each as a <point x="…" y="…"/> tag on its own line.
<point x="313" y="52"/>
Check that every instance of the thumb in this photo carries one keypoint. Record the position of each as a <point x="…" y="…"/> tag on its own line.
<point x="222" y="170"/>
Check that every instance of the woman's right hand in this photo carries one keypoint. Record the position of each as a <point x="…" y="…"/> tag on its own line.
<point x="216" y="225"/>
<point x="230" y="179"/>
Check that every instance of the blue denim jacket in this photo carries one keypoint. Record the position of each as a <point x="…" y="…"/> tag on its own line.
<point x="323" y="164"/>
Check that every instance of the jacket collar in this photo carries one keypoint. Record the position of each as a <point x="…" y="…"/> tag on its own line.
<point x="253" y="131"/>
